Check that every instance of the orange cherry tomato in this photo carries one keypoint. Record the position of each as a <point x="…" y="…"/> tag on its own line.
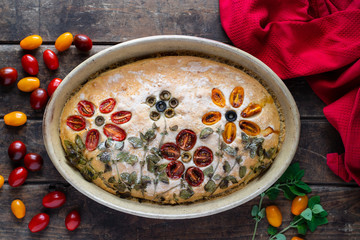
<point x="31" y="42"/>
<point x="15" y="118"/>
<point x="273" y="215"/>
<point x="28" y="84"/>
<point x="296" y="238"/>
<point x="1" y="181"/>
<point x="299" y="204"/>
<point x="18" y="208"/>
<point x="64" y="41"/>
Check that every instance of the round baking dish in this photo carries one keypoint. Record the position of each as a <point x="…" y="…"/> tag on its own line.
<point x="142" y="47"/>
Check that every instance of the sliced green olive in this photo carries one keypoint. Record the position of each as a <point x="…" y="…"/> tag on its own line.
<point x="165" y="95"/>
<point x="154" y="116"/>
<point x="173" y="102"/>
<point x="151" y="100"/>
<point x="169" y="113"/>
<point x="186" y="157"/>
<point x="99" y="120"/>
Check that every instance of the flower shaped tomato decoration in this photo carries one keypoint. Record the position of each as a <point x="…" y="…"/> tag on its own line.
<point x="87" y="109"/>
<point x="236" y="99"/>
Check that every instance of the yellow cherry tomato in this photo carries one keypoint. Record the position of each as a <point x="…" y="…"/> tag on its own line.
<point x="15" y="118"/>
<point x="28" y="84"/>
<point x="299" y="204"/>
<point x="18" y="208"/>
<point x="296" y="238"/>
<point x="273" y="215"/>
<point x="1" y="181"/>
<point x="64" y="41"/>
<point x="31" y="42"/>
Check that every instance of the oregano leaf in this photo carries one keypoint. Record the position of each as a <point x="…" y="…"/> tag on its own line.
<point x="314" y="200"/>
<point x="307" y="214"/>
<point x="317" y="209"/>
<point x="272" y="230"/>
<point x="302" y="228"/>
<point x="261" y="213"/>
<point x="255" y="210"/>
<point x="280" y="236"/>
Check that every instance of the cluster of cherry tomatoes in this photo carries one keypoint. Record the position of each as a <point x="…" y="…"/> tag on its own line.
<point x="39" y="96"/>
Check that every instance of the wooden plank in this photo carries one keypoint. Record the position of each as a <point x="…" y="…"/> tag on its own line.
<point x="110" y="20"/>
<point x="10" y="55"/>
<point x="100" y="222"/>
<point x="317" y="139"/>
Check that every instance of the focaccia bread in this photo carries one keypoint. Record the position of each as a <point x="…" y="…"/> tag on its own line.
<point x="171" y="130"/>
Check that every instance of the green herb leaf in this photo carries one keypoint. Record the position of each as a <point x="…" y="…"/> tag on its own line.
<point x="272" y="193"/>
<point x="217" y="177"/>
<point x="111" y="179"/>
<point x="119" y="145"/>
<point x="302" y="228"/>
<point x="317" y="209"/>
<point x="303" y="186"/>
<point x="227" y="167"/>
<point x="272" y="230"/>
<point x="224" y="183"/>
<point x="261" y="213"/>
<point x="307" y="214"/>
<point x="186" y="193"/>
<point x="79" y="142"/>
<point x="125" y="176"/>
<point x="231" y="179"/>
<point x="320" y="220"/>
<point x="161" y="167"/>
<point x="313" y="200"/>
<point x="104" y="157"/>
<point x="132" y="178"/>
<point x="296" y="191"/>
<point x="132" y="160"/>
<point x="238" y="159"/>
<point x="230" y="151"/>
<point x="206" y="132"/>
<point x="136" y="142"/>
<point x="210" y="186"/>
<point x="164" y="178"/>
<point x="209" y="171"/>
<point x="280" y="236"/>
<point x="242" y="171"/>
<point x="150" y="135"/>
<point x="255" y="210"/>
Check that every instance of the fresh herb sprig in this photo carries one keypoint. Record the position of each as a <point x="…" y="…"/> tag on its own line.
<point x="291" y="185"/>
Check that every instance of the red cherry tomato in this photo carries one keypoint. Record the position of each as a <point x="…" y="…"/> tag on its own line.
<point x="170" y="151"/>
<point x="38" y="98"/>
<point x="76" y="123"/>
<point x="72" y="220"/>
<point x="17" y="177"/>
<point x="114" y="132"/>
<point x="30" y="64"/>
<point x="17" y="150"/>
<point x="121" y="117"/>
<point x="92" y="139"/>
<point x="82" y="42"/>
<point x="8" y="76"/>
<point x="39" y="222"/>
<point x="194" y="176"/>
<point x="86" y="108"/>
<point x="33" y="162"/>
<point x="186" y="139"/>
<point x="50" y="59"/>
<point x="107" y="105"/>
<point x="203" y="156"/>
<point x="53" y="85"/>
<point x="175" y="169"/>
<point x="54" y="199"/>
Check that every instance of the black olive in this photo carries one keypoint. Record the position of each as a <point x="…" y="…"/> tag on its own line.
<point x="151" y="100"/>
<point x="231" y="115"/>
<point x="186" y="157"/>
<point x="99" y="120"/>
<point x="154" y="116"/>
<point x="173" y="102"/>
<point x="169" y="113"/>
<point x="165" y="95"/>
<point x="160" y="106"/>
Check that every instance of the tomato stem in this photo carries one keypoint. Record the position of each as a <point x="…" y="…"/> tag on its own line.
<point x="258" y="219"/>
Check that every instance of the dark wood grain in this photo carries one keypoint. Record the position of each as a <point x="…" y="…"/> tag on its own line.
<point x="99" y="222"/>
<point x="110" y="20"/>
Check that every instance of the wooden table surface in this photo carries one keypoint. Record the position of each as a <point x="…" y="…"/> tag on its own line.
<point x="110" y="22"/>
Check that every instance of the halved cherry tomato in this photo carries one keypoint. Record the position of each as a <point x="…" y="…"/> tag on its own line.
<point x="2" y="180"/>
<point x="175" y="169"/>
<point x="64" y="41"/>
<point x="186" y="139"/>
<point x="121" y="117"/>
<point x="72" y="220"/>
<point x="28" y="84"/>
<point x="15" y="118"/>
<point x="17" y="150"/>
<point x="194" y="176"/>
<point x="170" y="151"/>
<point x="38" y="98"/>
<point x="299" y="204"/>
<point x="33" y="161"/>
<point x="50" y="59"/>
<point x="18" y="208"/>
<point x="76" y="123"/>
<point x="54" y="199"/>
<point x="39" y="222"/>
<point x="273" y="215"/>
<point x="82" y="42"/>
<point x="30" y="64"/>
<point x="92" y="139"/>
<point x="18" y="176"/>
<point x="107" y="105"/>
<point x="203" y="156"/>
<point x="114" y="132"/>
<point x="31" y="42"/>
<point x="86" y="108"/>
<point x="8" y="76"/>
<point x="53" y="85"/>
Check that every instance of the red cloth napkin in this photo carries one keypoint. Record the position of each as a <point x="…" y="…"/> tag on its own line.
<point x="318" y="39"/>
